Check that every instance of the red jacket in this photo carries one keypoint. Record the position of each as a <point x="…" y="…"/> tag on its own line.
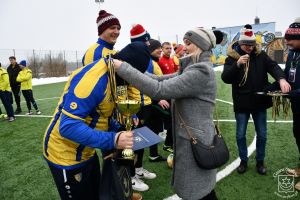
<point x="167" y="65"/>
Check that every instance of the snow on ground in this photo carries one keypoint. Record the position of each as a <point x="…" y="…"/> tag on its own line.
<point x="44" y="81"/>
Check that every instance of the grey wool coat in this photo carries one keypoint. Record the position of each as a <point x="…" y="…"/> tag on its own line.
<point x="193" y="90"/>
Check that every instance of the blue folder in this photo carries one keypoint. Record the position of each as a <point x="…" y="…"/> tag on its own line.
<point x="144" y="137"/>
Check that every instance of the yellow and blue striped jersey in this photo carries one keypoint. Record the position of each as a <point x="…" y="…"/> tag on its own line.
<point x="98" y="50"/>
<point x="135" y="94"/>
<point x="81" y="120"/>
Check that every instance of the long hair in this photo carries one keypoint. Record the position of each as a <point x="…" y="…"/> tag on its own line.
<point x="196" y="55"/>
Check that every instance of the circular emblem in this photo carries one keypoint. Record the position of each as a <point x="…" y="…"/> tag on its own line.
<point x="73" y="105"/>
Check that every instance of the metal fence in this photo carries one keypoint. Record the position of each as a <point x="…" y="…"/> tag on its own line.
<point x="45" y="63"/>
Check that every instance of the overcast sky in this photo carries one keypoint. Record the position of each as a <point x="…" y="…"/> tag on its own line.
<point x="71" y="24"/>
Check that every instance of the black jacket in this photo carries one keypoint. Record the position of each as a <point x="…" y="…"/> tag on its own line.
<point x="244" y="96"/>
<point x="294" y="56"/>
<point x="13" y="72"/>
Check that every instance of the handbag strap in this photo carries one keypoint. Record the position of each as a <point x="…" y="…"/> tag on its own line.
<point x="217" y="126"/>
<point x="194" y="140"/>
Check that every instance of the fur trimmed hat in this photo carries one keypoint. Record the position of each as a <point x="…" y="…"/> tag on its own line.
<point x="293" y="32"/>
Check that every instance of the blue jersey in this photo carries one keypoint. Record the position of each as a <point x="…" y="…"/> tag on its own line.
<point x="81" y="120"/>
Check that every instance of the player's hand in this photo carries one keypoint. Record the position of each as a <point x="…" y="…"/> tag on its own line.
<point x="124" y="140"/>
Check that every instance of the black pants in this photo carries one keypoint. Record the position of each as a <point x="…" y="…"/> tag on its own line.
<point x="163" y="120"/>
<point x="144" y="116"/>
<point x="80" y="183"/>
<point x="29" y="99"/>
<point x="167" y="119"/>
<point x="6" y="98"/>
<point x="17" y="94"/>
<point x="296" y="128"/>
<point x="211" y="196"/>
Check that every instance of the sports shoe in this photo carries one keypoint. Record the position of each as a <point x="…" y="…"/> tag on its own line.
<point x="168" y="148"/>
<point x="29" y="112"/>
<point x="136" y="196"/>
<point x="38" y="112"/>
<point x="260" y="167"/>
<point x="138" y="184"/>
<point x="158" y="158"/>
<point x="173" y="197"/>
<point x="243" y="167"/>
<point x="143" y="173"/>
<point x="10" y="119"/>
<point x="294" y="172"/>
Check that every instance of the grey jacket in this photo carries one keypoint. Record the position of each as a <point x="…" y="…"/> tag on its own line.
<point x="193" y="90"/>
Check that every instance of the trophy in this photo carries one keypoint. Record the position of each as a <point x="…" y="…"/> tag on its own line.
<point x="128" y="108"/>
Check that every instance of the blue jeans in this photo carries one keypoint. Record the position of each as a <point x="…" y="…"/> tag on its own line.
<point x="260" y="123"/>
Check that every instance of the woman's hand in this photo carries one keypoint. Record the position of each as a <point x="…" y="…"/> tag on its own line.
<point x="164" y="104"/>
<point x="117" y="64"/>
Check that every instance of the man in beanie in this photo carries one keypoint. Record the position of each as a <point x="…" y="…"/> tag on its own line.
<point x="193" y="90"/>
<point x="13" y="70"/>
<point x="179" y="50"/>
<point x="108" y="32"/>
<point x="81" y="124"/>
<point x="25" y="78"/>
<point x="138" y="33"/>
<point x="246" y="68"/>
<point x="144" y="116"/>
<point x="162" y="112"/>
<point x="292" y="72"/>
<point x="166" y="62"/>
<point x="5" y="95"/>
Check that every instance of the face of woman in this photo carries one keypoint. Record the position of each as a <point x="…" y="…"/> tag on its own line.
<point x="190" y="47"/>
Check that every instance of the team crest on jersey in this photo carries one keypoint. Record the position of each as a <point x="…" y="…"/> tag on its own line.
<point x="73" y="105"/>
<point x="78" y="177"/>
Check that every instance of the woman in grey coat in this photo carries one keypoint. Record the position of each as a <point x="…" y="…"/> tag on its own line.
<point x="194" y="91"/>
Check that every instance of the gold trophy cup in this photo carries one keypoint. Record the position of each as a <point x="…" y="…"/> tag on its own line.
<point x="128" y="108"/>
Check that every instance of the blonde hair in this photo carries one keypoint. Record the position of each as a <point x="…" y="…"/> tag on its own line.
<point x="196" y="55"/>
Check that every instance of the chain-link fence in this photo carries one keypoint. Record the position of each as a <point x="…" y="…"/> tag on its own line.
<point x="45" y="63"/>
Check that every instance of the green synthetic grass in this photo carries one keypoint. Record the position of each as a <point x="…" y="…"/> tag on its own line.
<point x="24" y="175"/>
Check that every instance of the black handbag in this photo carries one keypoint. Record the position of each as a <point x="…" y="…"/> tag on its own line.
<point x="208" y="157"/>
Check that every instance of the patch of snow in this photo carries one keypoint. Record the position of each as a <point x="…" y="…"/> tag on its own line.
<point x="44" y="81"/>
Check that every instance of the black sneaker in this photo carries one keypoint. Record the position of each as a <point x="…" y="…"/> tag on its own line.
<point x="261" y="168"/>
<point x="168" y="148"/>
<point x="18" y="111"/>
<point x="158" y="158"/>
<point x="243" y="167"/>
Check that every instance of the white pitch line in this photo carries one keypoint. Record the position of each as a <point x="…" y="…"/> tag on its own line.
<point x="228" y="102"/>
<point x="43" y="99"/>
<point x="232" y="166"/>
<point x="251" y="121"/>
<point x="35" y="116"/>
<point x="229" y="168"/>
<point x="220" y="120"/>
